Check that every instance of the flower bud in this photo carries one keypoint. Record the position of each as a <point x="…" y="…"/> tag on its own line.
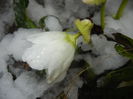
<point x="94" y="2"/>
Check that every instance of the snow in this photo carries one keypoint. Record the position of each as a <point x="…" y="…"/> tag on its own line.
<point x="27" y="84"/>
<point x="6" y="16"/>
<point x="31" y="85"/>
<point x="65" y="10"/>
<point x="103" y="56"/>
<point x="52" y="24"/>
<point x="68" y="85"/>
<point x="124" y="25"/>
<point x="20" y="41"/>
<point x="19" y="38"/>
<point x="7" y="88"/>
<point x="39" y="10"/>
<point x="73" y="92"/>
<point x="60" y="14"/>
<point x="4" y="53"/>
<point x="112" y="6"/>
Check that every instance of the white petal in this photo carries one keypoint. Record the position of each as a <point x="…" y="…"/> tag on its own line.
<point x="45" y="37"/>
<point x="51" y="52"/>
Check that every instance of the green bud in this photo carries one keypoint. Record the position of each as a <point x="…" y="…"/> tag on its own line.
<point x="84" y="27"/>
<point x="94" y="2"/>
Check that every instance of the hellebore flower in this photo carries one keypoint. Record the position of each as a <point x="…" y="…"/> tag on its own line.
<point x="53" y="51"/>
<point x="94" y="2"/>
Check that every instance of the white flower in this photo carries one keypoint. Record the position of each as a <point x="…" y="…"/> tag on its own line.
<point x="53" y="51"/>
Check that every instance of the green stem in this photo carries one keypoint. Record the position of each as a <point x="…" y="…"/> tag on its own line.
<point x="77" y="35"/>
<point x="103" y="15"/>
<point x="71" y="38"/>
<point x="121" y="9"/>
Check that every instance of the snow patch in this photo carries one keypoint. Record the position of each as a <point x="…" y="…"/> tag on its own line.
<point x="103" y="56"/>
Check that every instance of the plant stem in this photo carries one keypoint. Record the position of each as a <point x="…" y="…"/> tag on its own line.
<point x="103" y="15"/>
<point x="77" y="35"/>
<point x="121" y="9"/>
<point x="71" y="38"/>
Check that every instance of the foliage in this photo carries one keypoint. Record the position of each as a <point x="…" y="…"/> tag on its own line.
<point x="124" y="46"/>
<point x="21" y="18"/>
<point x="115" y="77"/>
<point x="41" y="22"/>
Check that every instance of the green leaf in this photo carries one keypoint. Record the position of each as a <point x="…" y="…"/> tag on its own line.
<point x="122" y="51"/>
<point x="41" y="22"/>
<point x="90" y="73"/>
<point x="41" y="73"/>
<point x="124" y="46"/>
<point x="124" y="40"/>
<point x="21" y="18"/>
<point x="115" y="77"/>
<point x="125" y="84"/>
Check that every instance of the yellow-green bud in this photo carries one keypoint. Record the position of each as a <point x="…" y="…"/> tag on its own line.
<point x="94" y="2"/>
<point x="84" y="27"/>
